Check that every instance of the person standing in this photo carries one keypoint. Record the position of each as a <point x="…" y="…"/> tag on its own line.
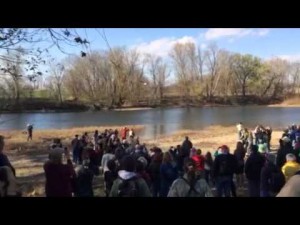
<point x="29" y="131"/>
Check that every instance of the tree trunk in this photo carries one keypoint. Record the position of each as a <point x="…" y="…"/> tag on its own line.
<point x="244" y="88"/>
<point x="17" y="92"/>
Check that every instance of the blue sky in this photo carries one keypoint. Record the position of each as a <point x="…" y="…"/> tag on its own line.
<point x="263" y="42"/>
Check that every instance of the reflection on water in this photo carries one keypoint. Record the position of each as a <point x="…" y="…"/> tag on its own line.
<point x="157" y="121"/>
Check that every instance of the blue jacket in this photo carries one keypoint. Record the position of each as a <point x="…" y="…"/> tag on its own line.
<point x="168" y="173"/>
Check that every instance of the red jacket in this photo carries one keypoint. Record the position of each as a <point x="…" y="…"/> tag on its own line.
<point x="59" y="179"/>
<point x="199" y="160"/>
<point x="124" y="133"/>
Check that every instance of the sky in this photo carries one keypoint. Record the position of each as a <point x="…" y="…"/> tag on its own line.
<point x="262" y="42"/>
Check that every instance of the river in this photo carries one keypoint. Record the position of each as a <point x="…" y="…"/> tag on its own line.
<point x="158" y="121"/>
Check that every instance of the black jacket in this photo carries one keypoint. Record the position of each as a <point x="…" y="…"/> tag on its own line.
<point x="224" y="165"/>
<point x="253" y="166"/>
<point x="281" y="154"/>
<point x="186" y="147"/>
<point x="266" y="175"/>
<point x="84" y="183"/>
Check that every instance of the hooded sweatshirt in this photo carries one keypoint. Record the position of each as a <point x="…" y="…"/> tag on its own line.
<point x="180" y="188"/>
<point x="143" y="190"/>
<point x="289" y="169"/>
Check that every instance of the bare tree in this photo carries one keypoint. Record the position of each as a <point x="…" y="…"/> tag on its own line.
<point x="294" y="70"/>
<point x="159" y="73"/>
<point x="179" y="55"/>
<point x="56" y="78"/>
<point x="14" y="71"/>
<point x="211" y="56"/>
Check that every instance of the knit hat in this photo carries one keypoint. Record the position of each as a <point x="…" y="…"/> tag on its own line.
<point x="286" y="139"/>
<point x="55" y="155"/>
<point x="224" y="149"/>
<point x="271" y="158"/>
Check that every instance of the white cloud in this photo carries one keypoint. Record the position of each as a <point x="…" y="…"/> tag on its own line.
<point x="161" y="47"/>
<point x="290" y="58"/>
<point x="262" y="32"/>
<point x="203" y="46"/>
<point x="232" y="33"/>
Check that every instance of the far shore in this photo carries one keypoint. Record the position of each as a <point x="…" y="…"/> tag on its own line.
<point x="132" y="109"/>
<point x="149" y="107"/>
<point x="284" y="106"/>
<point x="28" y="157"/>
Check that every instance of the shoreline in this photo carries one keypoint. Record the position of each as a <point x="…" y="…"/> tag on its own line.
<point x="28" y="158"/>
<point x="148" y="108"/>
<point x="284" y="106"/>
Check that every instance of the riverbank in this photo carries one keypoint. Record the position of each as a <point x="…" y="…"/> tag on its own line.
<point x="46" y="105"/>
<point x="291" y="102"/>
<point x="284" y="106"/>
<point x="28" y="157"/>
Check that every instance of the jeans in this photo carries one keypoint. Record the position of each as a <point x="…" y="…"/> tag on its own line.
<point x="76" y="155"/>
<point x="207" y="175"/>
<point x="224" y="185"/>
<point x="156" y="188"/>
<point x="254" y="188"/>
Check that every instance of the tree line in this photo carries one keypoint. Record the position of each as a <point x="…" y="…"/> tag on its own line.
<point x="120" y="76"/>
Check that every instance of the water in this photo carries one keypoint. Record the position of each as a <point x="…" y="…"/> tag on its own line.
<point x="157" y="121"/>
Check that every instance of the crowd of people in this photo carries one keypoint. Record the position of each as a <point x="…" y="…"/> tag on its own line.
<point x="130" y="169"/>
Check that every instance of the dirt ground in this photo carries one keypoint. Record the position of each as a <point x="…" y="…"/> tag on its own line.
<point x="28" y="157"/>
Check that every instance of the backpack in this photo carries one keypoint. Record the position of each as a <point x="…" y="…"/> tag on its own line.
<point x="192" y="188"/>
<point x="224" y="168"/>
<point x="84" y="182"/>
<point x="128" y="188"/>
<point x="277" y="181"/>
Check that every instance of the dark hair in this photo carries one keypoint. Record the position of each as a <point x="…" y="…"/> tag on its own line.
<point x="109" y="149"/>
<point x="4" y="179"/>
<point x="157" y="157"/>
<point x="208" y="158"/>
<point x="76" y="135"/>
<point x="111" y="165"/>
<point x="128" y="163"/>
<point x="190" y="170"/>
<point x="119" y="153"/>
<point x="254" y="148"/>
<point x="139" y="166"/>
<point x="186" y="138"/>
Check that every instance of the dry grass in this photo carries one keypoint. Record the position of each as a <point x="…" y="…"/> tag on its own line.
<point x="291" y="102"/>
<point x="16" y="139"/>
<point x="208" y="139"/>
<point x="29" y="157"/>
